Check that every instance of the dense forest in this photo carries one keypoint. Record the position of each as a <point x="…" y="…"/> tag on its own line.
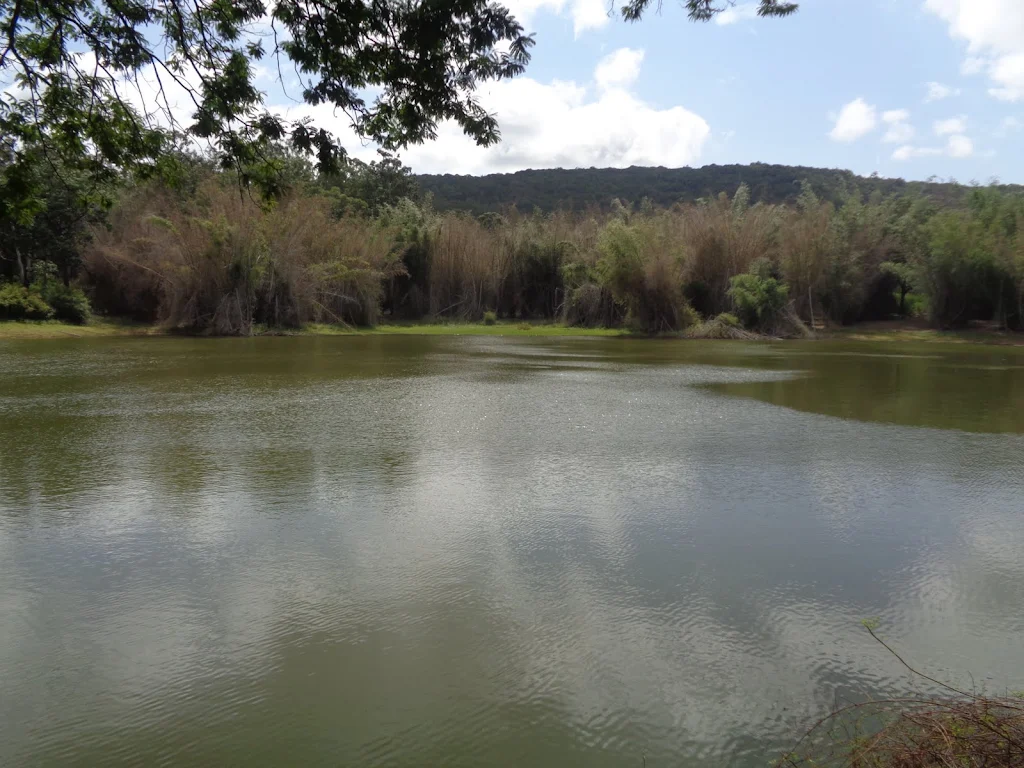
<point x="199" y="252"/>
<point x="585" y="188"/>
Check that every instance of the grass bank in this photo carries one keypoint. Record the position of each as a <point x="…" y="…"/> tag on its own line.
<point x="457" y="329"/>
<point x="908" y="332"/>
<point x="50" y="329"/>
<point x="54" y="329"/>
<point x="870" y="332"/>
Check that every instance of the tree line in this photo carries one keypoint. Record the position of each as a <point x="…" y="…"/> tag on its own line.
<point x="206" y="255"/>
<point x="91" y="97"/>
<point x="583" y="188"/>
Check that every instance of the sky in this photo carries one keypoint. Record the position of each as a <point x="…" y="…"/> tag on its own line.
<point x="904" y="88"/>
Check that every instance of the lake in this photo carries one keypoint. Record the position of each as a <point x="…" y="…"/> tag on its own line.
<point x="412" y="551"/>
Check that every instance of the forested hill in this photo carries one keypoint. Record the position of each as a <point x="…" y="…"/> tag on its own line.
<point x="586" y="187"/>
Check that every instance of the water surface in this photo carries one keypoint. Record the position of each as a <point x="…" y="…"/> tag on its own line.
<point x="413" y="551"/>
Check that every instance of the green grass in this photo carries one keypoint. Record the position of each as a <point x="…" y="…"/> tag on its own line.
<point x="461" y="329"/>
<point x="51" y="329"/>
<point x="54" y="329"/>
<point x="867" y="333"/>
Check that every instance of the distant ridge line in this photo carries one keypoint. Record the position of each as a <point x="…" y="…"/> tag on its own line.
<point x="584" y="188"/>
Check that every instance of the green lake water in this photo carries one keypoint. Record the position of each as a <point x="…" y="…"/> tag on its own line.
<point x="418" y="551"/>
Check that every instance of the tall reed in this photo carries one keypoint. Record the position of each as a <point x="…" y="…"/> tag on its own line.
<point x="222" y="262"/>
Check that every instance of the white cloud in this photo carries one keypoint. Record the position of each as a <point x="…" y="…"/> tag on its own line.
<point x="957" y="146"/>
<point x="261" y="72"/>
<point x="588" y="14"/>
<point x="619" y="69"/>
<point x="938" y="92"/>
<point x="557" y="124"/>
<point x="736" y="13"/>
<point x="615" y="130"/>
<point x="973" y="65"/>
<point x="1007" y="126"/>
<point x="855" y="120"/>
<point x="996" y="25"/>
<point x="906" y="152"/>
<point x="950" y="125"/>
<point x="168" y="102"/>
<point x="899" y="130"/>
<point x="992" y="29"/>
<point x="543" y="125"/>
<point x="585" y="14"/>
<point x="1008" y="73"/>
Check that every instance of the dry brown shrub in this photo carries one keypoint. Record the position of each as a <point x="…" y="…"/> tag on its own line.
<point x="222" y="262"/>
<point x="464" y="268"/>
<point x="721" y="242"/>
<point x="806" y="250"/>
<point x="329" y="270"/>
<point x="955" y="729"/>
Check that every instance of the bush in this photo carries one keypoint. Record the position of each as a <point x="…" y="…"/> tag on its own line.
<point x="949" y="728"/>
<point x="686" y="316"/>
<point x="758" y="301"/>
<point x="721" y="238"/>
<point x="643" y="273"/>
<point x="590" y="305"/>
<point x="69" y="304"/>
<point x="621" y="265"/>
<point x="916" y="305"/>
<point x="18" y="303"/>
<point x="901" y="276"/>
<point x="490" y="318"/>
<point x="724" y="326"/>
<point x="586" y="303"/>
<point x="958" y="271"/>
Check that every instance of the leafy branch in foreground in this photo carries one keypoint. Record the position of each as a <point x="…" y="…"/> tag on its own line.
<point x="705" y="10"/>
<point x="99" y="83"/>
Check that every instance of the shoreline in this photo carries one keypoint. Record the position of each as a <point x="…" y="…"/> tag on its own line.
<point x="100" y="327"/>
<point x="11" y="330"/>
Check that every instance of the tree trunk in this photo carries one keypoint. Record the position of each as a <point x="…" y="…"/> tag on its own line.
<point x="1000" y="309"/>
<point x="22" y="273"/>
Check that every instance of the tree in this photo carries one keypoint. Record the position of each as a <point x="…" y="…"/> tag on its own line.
<point x="806" y="247"/>
<point x="94" y="79"/>
<point x="50" y="221"/>
<point x="902" y="274"/>
<point x="91" y="88"/>
<point x="758" y="296"/>
<point x="377" y="184"/>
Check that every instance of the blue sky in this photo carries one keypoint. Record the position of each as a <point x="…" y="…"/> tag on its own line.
<point x="909" y="88"/>
<point x="905" y="88"/>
